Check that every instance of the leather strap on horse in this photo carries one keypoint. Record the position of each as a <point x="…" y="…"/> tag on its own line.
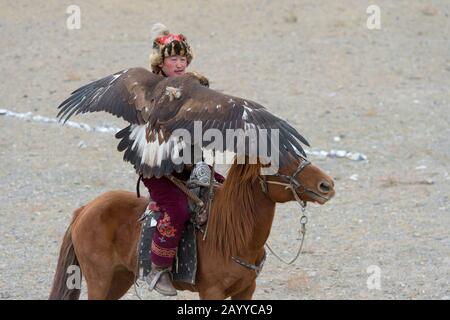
<point x="186" y="190"/>
<point x="303" y="221"/>
<point x="138" y="192"/>
<point x="292" y="184"/>
<point x="256" y="267"/>
<point x="210" y="193"/>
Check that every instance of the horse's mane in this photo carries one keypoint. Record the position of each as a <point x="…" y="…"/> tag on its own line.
<point x="233" y="214"/>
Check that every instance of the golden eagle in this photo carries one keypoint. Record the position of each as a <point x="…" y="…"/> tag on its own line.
<point x="157" y="107"/>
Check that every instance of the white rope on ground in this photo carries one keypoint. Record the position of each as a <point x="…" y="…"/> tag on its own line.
<point x="28" y="116"/>
<point x="354" y="156"/>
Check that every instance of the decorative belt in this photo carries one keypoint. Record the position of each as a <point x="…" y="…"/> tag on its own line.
<point x="256" y="268"/>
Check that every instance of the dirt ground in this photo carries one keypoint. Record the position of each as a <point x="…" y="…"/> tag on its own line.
<point x="383" y="92"/>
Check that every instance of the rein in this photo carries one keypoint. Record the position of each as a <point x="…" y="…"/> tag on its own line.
<point x="293" y="184"/>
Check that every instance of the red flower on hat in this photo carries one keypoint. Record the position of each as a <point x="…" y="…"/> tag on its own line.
<point x="171" y="37"/>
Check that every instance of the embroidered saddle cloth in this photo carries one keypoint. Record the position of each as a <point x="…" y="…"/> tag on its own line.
<point x="185" y="264"/>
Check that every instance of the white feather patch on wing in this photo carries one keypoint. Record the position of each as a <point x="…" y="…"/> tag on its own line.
<point x="137" y="135"/>
<point x="244" y="115"/>
<point x="154" y="152"/>
<point x="150" y="153"/>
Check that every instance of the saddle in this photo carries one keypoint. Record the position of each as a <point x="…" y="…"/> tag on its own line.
<point x="184" y="268"/>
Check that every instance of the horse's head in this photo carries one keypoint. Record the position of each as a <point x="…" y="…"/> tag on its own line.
<point x="299" y="180"/>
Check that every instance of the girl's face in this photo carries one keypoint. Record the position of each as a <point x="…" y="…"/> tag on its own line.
<point x="174" y="66"/>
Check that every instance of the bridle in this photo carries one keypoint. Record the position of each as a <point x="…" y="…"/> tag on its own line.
<point x="292" y="183"/>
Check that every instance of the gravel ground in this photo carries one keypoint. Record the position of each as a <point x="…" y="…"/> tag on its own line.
<point x="384" y="92"/>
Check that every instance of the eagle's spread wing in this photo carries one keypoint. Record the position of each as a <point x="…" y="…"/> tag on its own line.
<point x="158" y="108"/>
<point x="124" y="94"/>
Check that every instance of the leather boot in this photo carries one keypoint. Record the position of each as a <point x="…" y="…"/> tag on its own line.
<point x="160" y="280"/>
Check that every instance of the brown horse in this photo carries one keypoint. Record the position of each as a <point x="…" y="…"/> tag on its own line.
<point x="103" y="236"/>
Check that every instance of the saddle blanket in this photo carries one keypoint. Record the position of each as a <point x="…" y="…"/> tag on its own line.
<point x="184" y="268"/>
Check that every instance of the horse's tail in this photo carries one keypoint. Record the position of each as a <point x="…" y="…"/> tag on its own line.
<point x="67" y="258"/>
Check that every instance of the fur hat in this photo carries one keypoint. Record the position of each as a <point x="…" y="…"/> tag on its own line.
<point x="165" y="45"/>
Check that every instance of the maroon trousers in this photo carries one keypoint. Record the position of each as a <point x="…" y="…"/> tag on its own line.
<point x="174" y="215"/>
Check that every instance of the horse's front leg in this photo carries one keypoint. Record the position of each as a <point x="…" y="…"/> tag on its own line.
<point x="245" y="294"/>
